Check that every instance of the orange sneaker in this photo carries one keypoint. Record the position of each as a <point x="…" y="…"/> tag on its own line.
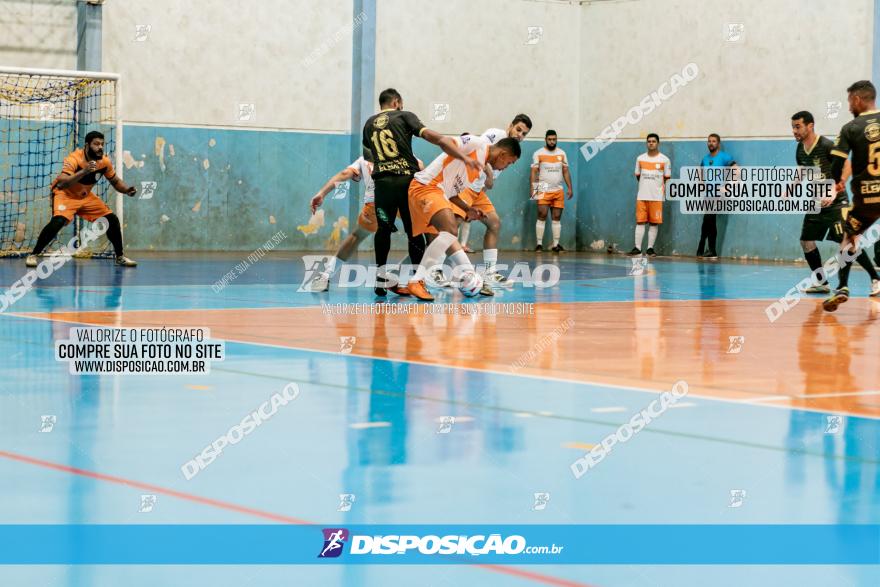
<point x="400" y="290"/>
<point x="418" y="289"/>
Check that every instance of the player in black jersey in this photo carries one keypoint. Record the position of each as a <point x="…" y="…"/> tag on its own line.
<point x="815" y="151"/>
<point x="861" y="136"/>
<point x="388" y="135"/>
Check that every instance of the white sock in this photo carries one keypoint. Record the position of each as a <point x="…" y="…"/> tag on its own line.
<point x="463" y="233"/>
<point x="652" y="235"/>
<point x="490" y="257"/>
<point x="640" y="234"/>
<point x="434" y="255"/>
<point x="539" y="230"/>
<point x="556" y="226"/>
<point x="460" y="262"/>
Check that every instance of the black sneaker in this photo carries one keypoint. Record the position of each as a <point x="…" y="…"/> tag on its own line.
<point x="558" y="249"/>
<point x="650" y="252"/>
<point x="379" y="290"/>
<point x="635" y="252"/>
<point x="539" y="249"/>
<point x="840" y="296"/>
<point x="710" y="255"/>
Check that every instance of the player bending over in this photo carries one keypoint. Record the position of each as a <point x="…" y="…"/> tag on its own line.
<point x="815" y="151"/>
<point x="359" y="170"/>
<point x="73" y="196"/>
<point x="430" y="194"/>
<point x="475" y="195"/>
<point x="861" y="136"/>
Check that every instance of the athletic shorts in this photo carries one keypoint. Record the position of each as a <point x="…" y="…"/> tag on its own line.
<point x="424" y="202"/>
<point x="367" y="218"/>
<point x="392" y="199"/>
<point x="479" y="201"/>
<point x="90" y="207"/>
<point x="553" y="199"/>
<point x="826" y="225"/>
<point x="861" y="217"/>
<point x="649" y="211"/>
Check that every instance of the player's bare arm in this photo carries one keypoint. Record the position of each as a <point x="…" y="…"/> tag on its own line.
<point x="121" y="187"/>
<point x="344" y="175"/>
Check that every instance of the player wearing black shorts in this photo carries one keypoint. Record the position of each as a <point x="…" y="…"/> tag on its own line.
<point x="861" y="137"/>
<point x="815" y="151"/>
<point x="388" y="136"/>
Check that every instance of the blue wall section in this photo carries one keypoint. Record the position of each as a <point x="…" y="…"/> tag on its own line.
<point x="608" y="210"/>
<point x="251" y="176"/>
<point x="254" y="175"/>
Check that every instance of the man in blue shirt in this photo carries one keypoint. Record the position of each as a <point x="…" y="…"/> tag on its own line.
<point x="709" y="231"/>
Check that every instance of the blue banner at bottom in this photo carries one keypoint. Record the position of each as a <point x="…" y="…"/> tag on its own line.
<point x="440" y="544"/>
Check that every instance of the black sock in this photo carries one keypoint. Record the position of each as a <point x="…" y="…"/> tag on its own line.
<point x="814" y="260"/>
<point x="865" y="262"/>
<point x="49" y="232"/>
<point x="382" y="245"/>
<point x="114" y="233"/>
<point x="843" y="274"/>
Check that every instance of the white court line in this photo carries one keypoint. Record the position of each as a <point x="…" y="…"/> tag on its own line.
<point x="608" y="410"/>
<point x="496" y="372"/>
<point x="812" y="396"/>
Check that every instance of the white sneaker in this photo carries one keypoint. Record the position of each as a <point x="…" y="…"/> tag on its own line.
<point x="320" y="283"/>
<point x="124" y="261"/>
<point x="438" y="279"/>
<point x="875" y="288"/>
<point x="31" y="261"/>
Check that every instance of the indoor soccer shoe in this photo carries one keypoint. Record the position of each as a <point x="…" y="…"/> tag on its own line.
<point x="418" y="290"/>
<point x="486" y="290"/>
<point x="320" y="284"/>
<point x="840" y="296"/>
<point x="650" y="252"/>
<point x="124" y="261"/>
<point x="875" y="288"/>
<point x="558" y="249"/>
<point x="400" y="290"/>
<point x="635" y="252"/>
<point x="818" y="289"/>
<point x="31" y="261"/>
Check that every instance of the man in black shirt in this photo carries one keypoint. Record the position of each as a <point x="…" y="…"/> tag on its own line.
<point x="388" y="135"/>
<point x="861" y="136"/>
<point x="815" y="151"/>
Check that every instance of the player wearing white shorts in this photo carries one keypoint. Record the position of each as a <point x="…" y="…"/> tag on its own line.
<point x="549" y="171"/>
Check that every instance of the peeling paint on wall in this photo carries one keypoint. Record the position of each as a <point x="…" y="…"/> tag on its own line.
<point x="197" y="207"/>
<point x="160" y="152"/>
<point x="315" y="222"/>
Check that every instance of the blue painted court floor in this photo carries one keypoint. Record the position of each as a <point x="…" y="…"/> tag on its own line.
<point x="446" y="419"/>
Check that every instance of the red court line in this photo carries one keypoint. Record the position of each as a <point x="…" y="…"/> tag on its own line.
<point x="527" y="575"/>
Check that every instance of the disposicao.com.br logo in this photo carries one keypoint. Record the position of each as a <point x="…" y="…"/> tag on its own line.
<point x="336" y="538"/>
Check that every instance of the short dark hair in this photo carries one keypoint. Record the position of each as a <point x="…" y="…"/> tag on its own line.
<point x="864" y="89"/>
<point x="523" y="118"/>
<point x="550" y="132"/>
<point x="388" y="96"/>
<point x="716" y="135"/>
<point x="805" y="116"/>
<point x="91" y="136"/>
<point x="653" y="135"/>
<point x="510" y="145"/>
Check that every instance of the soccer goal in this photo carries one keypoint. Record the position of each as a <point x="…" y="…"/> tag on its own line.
<point x="44" y="116"/>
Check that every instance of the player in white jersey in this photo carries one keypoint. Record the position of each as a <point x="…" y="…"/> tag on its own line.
<point x="652" y="170"/>
<point x="475" y="196"/>
<point x="359" y="170"/>
<point x="549" y="171"/>
<point x="432" y="194"/>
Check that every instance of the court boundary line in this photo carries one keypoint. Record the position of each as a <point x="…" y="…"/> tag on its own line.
<point x="757" y="402"/>
<point x="522" y="574"/>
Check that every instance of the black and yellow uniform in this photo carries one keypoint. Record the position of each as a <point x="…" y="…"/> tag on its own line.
<point x="828" y="223"/>
<point x="388" y="136"/>
<point x="861" y="137"/>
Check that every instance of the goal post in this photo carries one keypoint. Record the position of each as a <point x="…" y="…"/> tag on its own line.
<point x="44" y="116"/>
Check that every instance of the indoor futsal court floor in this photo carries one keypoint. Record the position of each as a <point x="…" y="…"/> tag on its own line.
<point x="366" y="420"/>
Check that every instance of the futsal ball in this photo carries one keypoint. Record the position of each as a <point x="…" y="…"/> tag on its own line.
<point x="470" y="284"/>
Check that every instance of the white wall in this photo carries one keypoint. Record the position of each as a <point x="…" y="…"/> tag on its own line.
<point x="202" y="59"/>
<point x="473" y="55"/>
<point x="39" y="33"/>
<point x="794" y="55"/>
